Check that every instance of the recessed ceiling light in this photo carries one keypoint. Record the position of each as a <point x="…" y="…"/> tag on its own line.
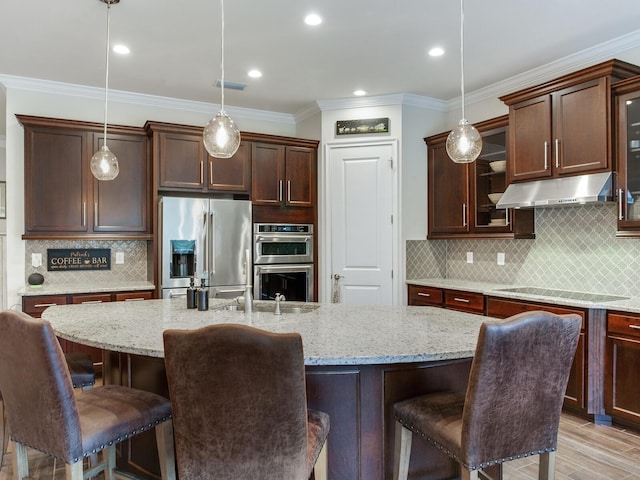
<point x="121" y="49"/>
<point x="255" y="73"/>
<point x="436" y="52"/>
<point x="359" y="93"/>
<point x="313" y="19"/>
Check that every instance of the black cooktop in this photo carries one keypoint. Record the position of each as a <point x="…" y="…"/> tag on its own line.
<point x="548" y="292"/>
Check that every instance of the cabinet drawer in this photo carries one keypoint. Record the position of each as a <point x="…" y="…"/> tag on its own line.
<point x="623" y="324"/>
<point x="425" y="296"/>
<point x="464" y="301"/>
<point x="502" y="308"/>
<point x="91" y="298"/>
<point x="34" y="306"/>
<point x="133" y="296"/>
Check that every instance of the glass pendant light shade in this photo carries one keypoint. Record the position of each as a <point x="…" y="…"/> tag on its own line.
<point x="104" y="164"/>
<point x="221" y="136"/>
<point x="464" y="143"/>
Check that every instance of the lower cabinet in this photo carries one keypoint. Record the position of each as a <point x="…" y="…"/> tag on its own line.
<point x="35" y="305"/>
<point x="576" y="395"/>
<point x="622" y="389"/>
<point x="461" y="301"/>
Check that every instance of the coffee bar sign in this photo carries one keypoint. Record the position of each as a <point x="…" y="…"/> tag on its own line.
<point x="61" y="259"/>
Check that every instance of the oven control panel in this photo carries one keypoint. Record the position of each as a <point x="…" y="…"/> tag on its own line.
<point x="282" y="228"/>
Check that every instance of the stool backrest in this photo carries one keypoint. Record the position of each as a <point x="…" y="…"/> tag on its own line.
<point x="239" y="403"/>
<point x="516" y="386"/>
<point x="36" y="386"/>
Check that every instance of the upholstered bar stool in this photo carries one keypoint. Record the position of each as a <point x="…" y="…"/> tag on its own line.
<point x="513" y="401"/>
<point x="240" y="406"/>
<point x="45" y="413"/>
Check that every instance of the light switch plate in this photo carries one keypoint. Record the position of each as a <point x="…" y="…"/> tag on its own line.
<point x="469" y="257"/>
<point x="36" y="260"/>
<point x="119" y="258"/>
<point x="500" y="258"/>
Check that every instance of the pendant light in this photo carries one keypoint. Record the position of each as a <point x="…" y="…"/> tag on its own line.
<point x="104" y="164"/>
<point x="464" y="143"/>
<point x="221" y="136"/>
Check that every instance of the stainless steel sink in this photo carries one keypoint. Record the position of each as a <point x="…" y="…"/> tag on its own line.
<point x="271" y="308"/>
<point x="548" y="292"/>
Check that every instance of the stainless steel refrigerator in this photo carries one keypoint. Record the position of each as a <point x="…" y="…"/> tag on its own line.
<point x="204" y="238"/>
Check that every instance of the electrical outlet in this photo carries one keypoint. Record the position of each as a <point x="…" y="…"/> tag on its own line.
<point x="119" y="258"/>
<point x="36" y="260"/>
<point x="469" y="257"/>
<point x="501" y="258"/>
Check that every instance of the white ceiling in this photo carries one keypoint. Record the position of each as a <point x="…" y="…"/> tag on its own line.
<point x="376" y="45"/>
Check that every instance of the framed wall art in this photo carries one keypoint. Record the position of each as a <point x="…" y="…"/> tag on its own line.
<point x="363" y="126"/>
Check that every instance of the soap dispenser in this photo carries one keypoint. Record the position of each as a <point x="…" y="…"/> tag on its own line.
<point x="203" y="296"/>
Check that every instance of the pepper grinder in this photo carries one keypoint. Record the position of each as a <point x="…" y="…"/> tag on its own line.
<point x="191" y="294"/>
<point x="203" y="297"/>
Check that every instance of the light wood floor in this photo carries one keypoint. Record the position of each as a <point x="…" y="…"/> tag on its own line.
<point x="585" y="452"/>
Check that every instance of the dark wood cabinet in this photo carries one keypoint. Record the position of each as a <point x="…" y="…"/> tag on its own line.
<point x="34" y="305"/>
<point x="627" y="114"/>
<point x="576" y="393"/>
<point x="283" y="176"/>
<point x="424" y="296"/>
<point x="461" y="200"/>
<point x="564" y="127"/>
<point x="622" y="389"/>
<point x="64" y="200"/>
<point x="183" y="163"/>
<point x="470" y="302"/>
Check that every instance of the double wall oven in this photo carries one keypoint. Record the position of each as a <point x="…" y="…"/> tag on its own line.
<point x="283" y="261"/>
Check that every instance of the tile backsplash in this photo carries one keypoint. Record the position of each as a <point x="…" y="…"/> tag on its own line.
<point x="135" y="267"/>
<point x="575" y="249"/>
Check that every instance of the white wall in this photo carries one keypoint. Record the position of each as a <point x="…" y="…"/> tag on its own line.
<point x="88" y="105"/>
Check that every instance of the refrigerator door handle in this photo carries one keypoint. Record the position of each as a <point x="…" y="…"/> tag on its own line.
<point x="205" y="240"/>
<point x="212" y="245"/>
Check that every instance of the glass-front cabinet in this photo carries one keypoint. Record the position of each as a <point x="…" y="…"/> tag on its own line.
<point x="462" y="198"/>
<point x="628" y="156"/>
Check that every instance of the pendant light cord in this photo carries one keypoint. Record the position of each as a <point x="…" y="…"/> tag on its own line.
<point x="462" y="55"/>
<point x="222" y="55"/>
<point x="106" y="80"/>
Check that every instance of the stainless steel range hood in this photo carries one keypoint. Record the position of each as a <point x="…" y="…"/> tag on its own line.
<point x="580" y="189"/>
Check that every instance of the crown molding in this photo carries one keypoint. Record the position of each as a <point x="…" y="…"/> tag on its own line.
<point x="396" y="99"/>
<point x="132" y="98"/>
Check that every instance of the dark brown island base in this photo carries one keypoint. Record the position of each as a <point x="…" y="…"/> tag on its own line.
<point x="359" y="360"/>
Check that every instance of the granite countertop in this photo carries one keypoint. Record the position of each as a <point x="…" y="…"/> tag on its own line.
<point x="622" y="304"/>
<point x="93" y="287"/>
<point x="332" y="334"/>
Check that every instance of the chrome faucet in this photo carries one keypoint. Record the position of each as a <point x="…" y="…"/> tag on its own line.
<point x="279" y="298"/>
<point x="248" y="295"/>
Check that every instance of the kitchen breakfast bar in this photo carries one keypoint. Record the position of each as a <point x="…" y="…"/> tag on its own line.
<point x="359" y="361"/>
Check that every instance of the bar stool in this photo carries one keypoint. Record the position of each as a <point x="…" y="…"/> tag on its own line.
<point x="45" y="413"/>
<point x="512" y="405"/>
<point x="240" y="406"/>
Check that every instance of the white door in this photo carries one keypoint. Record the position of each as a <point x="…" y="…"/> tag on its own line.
<point x="361" y="224"/>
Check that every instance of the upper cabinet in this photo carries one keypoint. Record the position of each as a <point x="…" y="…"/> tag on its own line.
<point x="462" y="197"/>
<point x="64" y="200"/>
<point x="564" y="127"/>
<point x="627" y="96"/>
<point x="183" y="163"/>
<point x="283" y="175"/>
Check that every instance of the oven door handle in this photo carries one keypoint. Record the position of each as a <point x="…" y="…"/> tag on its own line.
<point x="280" y="238"/>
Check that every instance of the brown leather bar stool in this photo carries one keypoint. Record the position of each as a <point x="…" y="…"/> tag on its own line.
<point x="240" y="406"/>
<point x="512" y="405"/>
<point x="45" y="413"/>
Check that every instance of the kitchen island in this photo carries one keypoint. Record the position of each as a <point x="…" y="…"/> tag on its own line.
<point x="359" y="360"/>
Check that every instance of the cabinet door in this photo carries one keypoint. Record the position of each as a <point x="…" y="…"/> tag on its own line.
<point x="582" y="129"/>
<point x="628" y="165"/>
<point x="267" y="174"/>
<point x="622" y="389"/>
<point x="448" y="193"/>
<point x="300" y="177"/>
<point x="181" y="161"/>
<point x="122" y="204"/>
<point x="56" y="186"/>
<point x="530" y="139"/>
<point x="231" y="174"/>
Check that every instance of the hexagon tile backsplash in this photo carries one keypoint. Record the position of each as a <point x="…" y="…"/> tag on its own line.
<point x="575" y="249"/>
<point x="134" y="269"/>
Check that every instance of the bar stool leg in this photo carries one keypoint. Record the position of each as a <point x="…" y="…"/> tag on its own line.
<point x="402" y="454"/>
<point x="20" y="460"/>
